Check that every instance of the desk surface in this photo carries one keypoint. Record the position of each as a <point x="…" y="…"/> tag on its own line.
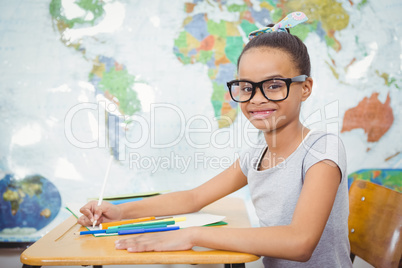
<point x="62" y="247"/>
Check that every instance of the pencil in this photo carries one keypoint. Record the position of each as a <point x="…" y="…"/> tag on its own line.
<point x="117" y="223"/>
<point x="148" y="223"/>
<point x="150" y="230"/>
<point x="104" y="185"/>
<point x="90" y="232"/>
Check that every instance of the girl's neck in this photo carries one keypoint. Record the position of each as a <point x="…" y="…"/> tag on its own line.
<point x="285" y="140"/>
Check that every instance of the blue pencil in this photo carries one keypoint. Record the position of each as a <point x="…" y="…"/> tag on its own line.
<point x="148" y="230"/>
<point x="91" y="232"/>
<point x="116" y="230"/>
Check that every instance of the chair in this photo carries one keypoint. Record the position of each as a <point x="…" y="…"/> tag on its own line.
<point x="375" y="224"/>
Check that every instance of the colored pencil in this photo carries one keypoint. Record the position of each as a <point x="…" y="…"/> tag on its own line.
<point x="115" y="230"/>
<point x="116" y="223"/>
<point x="150" y="230"/>
<point x="142" y="224"/>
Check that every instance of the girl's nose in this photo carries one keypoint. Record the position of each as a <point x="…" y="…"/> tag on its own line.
<point x="258" y="97"/>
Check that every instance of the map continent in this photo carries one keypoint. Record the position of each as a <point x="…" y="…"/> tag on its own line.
<point x="218" y="43"/>
<point x="109" y="78"/>
<point x="371" y="115"/>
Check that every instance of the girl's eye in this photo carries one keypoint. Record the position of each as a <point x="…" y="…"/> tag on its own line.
<point x="247" y="89"/>
<point x="274" y="86"/>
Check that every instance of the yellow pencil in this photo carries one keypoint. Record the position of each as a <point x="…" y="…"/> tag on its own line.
<point x="117" y="223"/>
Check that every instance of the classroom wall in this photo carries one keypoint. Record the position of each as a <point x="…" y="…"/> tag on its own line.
<point x="144" y="81"/>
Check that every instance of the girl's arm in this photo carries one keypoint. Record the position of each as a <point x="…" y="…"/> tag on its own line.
<point x="188" y="201"/>
<point x="295" y="241"/>
<point x="181" y="202"/>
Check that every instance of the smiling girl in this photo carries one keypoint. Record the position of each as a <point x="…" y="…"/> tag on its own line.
<point x="297" y="177"/>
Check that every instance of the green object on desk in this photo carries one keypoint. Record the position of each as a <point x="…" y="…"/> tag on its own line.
<point x="115" y="230"/>
<point x="142" y="225"/>
<point x="219" y="223"/>
<point x="127" y="196"/>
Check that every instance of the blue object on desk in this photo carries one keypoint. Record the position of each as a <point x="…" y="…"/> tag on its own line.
<point x="92" y="232"/>
<point x="148" y="230"/>
<point x="116" y="230"/>
<point x="122" y="201"/>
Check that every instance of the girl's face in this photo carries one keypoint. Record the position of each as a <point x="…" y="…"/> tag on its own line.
<point x="258" y="64"/>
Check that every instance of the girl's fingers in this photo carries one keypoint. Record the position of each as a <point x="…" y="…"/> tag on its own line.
<point x="86" y="211"/>
<point x="83" y="220"/>
<point x="97" y="213"/>
<point x="164" y="241"/>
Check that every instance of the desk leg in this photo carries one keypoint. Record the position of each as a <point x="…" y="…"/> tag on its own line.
<point x="97" y="266"/>
<point x="235" y="265"/>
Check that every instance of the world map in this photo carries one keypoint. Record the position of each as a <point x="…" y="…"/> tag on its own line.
<point x="145" y="81"/>
<point x="216" y="42"/>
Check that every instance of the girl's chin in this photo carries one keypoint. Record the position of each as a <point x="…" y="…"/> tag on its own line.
<point x="264" y="125"/>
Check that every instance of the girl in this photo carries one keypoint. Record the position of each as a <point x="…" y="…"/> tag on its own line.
<point x="297" y="180"/>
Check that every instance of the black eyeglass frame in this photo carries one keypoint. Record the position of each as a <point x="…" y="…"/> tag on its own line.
<point x="288" y="81"/>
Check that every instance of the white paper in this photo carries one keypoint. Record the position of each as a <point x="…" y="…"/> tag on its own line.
<point x="198" y="219"/>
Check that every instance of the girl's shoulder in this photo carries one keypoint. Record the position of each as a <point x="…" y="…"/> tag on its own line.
<point x="320" y="136"/>
<point x="322" y="145"/>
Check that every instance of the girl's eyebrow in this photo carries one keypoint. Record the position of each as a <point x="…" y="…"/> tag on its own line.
<point x="274" y="76"/>
<point x="264" y="78"/>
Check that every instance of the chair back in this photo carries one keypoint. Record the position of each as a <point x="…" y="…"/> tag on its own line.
<point x="375" y="223"/>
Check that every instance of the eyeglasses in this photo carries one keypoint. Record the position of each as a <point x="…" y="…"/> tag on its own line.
<point x="274" y="89"/>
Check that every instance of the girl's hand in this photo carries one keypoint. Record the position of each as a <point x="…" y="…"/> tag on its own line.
<point x="162" y="241"/>
<point x="106" y="212"/>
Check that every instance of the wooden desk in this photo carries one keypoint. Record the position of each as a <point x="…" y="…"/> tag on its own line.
<point x="62" y="247"/>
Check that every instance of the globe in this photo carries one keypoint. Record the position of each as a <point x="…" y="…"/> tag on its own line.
<point x="27" y="205"/>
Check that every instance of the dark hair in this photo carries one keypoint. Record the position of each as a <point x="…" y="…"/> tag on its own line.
<point x="286" y="42"/>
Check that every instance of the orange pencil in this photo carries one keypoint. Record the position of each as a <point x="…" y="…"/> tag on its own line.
<point x="117" y="223"/>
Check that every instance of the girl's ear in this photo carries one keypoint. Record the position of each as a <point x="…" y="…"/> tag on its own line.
<point x="307" y="88"/>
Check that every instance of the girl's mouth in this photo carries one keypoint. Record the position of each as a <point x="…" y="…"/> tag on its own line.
<point x="261" y="114"/>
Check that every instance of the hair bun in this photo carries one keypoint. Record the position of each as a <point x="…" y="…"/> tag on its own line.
<point x="273" y="24"/>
